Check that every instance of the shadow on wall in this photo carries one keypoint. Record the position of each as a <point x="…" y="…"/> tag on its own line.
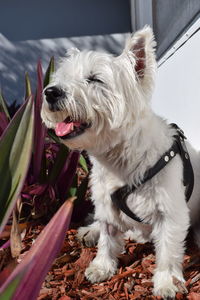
<point x="17" y="58"/>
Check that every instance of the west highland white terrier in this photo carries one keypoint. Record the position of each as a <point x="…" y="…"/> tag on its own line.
<point x="101" y="103"/>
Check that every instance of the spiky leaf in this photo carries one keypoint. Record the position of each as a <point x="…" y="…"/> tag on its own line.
<point x="3" y="106"/>
<point x="41" y="255"/>
<point x="40" y="130"/>
<point x="28" y="91"/>
<point x="49" y="72"/>
<point x="15" y="149"/>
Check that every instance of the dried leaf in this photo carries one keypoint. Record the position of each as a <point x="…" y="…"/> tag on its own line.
<point x="15" y="238"/>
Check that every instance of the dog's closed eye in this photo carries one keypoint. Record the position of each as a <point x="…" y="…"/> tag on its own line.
<point x="93" y="79"/>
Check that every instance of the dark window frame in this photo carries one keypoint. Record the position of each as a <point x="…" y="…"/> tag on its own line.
<point x="170" y="19"/>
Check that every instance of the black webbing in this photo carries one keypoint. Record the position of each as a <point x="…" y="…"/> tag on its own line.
<point x="120" y="196"/>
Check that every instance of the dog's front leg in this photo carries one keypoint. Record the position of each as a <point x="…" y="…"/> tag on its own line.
<point x="110" y="245"/>
<point x="89" y="235"/>
<point x="169" y="234"/>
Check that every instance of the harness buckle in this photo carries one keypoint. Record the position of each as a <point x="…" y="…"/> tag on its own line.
<point x="179" y="131"/>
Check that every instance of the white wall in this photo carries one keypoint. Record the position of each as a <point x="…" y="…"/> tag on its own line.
<point x="177" y="93"/>
<point x="16" y="58"/>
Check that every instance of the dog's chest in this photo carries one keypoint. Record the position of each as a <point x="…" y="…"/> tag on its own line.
<point x="104" y="183"/>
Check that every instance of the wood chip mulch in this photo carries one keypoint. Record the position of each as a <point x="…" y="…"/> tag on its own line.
<point x="66" y="281"/>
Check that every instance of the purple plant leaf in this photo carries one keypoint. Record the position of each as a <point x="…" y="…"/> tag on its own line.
<point x="67" y="174"/>
<point x="59" y="162"/>
<point x="3" y="122"/>
<point x="52" y="194"/>
<point x="41" y="255"/>
<point x="9" y="291"/>
<point x="5" y="245"/>
<point x="37" y="189"/>
<point x="3" y="106"/>
<point x="26" y="196"/>
<point x="40" y="130"/>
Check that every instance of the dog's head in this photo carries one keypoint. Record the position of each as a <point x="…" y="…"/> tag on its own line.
<point x="94" y="97"/>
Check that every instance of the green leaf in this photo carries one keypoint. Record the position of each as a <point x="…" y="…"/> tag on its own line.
<point x="27" y="86"/>
<point x="72" y="191"/>
<point x="73" y="188"/>
<point x="3" y="106"/>
<point x="49" y="72"/>
<point x="83" y="163"/>
<point x="15" y="149"/>
<point x="9" y="291"/>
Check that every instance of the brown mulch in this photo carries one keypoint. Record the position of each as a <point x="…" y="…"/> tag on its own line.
<point x="133" y="280"/>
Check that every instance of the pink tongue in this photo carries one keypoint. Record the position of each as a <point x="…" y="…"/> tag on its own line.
<point x="63" y="128"/>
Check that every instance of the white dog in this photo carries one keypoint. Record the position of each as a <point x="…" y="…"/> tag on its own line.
<point x="101" y="103"/>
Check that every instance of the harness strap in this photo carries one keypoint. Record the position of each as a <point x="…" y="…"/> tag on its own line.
<point x="120" y="196"/>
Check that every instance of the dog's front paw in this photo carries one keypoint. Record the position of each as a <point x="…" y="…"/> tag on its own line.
<point x="180" y="284"/>
<point x="98" y="272"/>
<point x="88" y="235"/>
<point x="164" y="286"/>
<point x="138" y="236"/>
<point x="166" y="291"/>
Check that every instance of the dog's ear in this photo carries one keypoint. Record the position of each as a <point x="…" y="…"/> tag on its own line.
<point x="72" y="51"/>
<point x="140" y="49"/>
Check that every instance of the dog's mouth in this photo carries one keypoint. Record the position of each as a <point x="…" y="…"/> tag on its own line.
<point x="69" y="129"/>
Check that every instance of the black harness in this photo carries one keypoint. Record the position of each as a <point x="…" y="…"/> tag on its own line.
<point x="120" y="196"/>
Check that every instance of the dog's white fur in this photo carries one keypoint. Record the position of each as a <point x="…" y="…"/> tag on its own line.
<point x="125" y="139"/>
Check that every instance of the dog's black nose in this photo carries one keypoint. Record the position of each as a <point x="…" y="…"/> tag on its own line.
<point x="53" y="94"/>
